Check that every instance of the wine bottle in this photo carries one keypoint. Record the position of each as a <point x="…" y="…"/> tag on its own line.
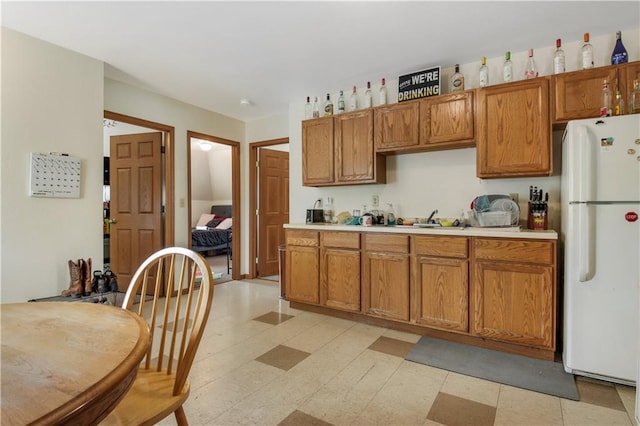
<point x="367" y="96"/>
<point x="328" y="107"/>
<point x="483" y="76"/>
<point x="605" y="108"/>
<point x="341" y="103"/>
<point x="530" y="71"/>
<point x="316" y="108"/>
<point x="353" y="100"/>
<point x="619" y="55"/>
<point x="383" y="93"/>
<point x="587" y="53"/>
<point x="308" y="111"/>
<point x="634" y="98"/>
<point x="558" y="58"/>
<point x="507" y="68"/>
<point x="618" y="104"/>
<point x="457" y="80"/>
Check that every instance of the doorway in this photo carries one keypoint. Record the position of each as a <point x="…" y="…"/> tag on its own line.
<point x="149" y="136"/>
<point x="269" y="198"/>
<point x="226" y="200"/>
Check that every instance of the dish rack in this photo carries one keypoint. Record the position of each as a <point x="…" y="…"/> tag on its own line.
<point x="490" y="219"/>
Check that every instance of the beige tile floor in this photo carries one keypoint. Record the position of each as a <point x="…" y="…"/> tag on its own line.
<point x="262" y="363"/>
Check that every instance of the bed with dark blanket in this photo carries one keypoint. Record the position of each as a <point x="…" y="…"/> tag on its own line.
<point x="212" y="239"/>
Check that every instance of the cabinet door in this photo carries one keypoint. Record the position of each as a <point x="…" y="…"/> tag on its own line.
<point x="355" y="155"/>
<point x="386" y="285"/>
<point x="626" y="74"/>
<point x="578" y="94"/>
<point x="340" y="279"/>
<point x="447" y="121"/>
<point x="302" y="274"/>
<point x="514" y="132"/>
<point x="442" y="287"/>
<point x="317" y="152"/>
<point x="396" y="127"/>
<point x="514" y="302"/>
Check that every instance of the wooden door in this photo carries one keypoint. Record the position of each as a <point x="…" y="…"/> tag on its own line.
<point x="354" y="151"/>
<point x="514" y="130"/>
<point x="273" y="207"/>
<point x="317" y="152"/>
<point x="396" y="127"/>
<point x="136" y="202"/>
<point x="578" y="94"/>
<point x="447" y="121"/>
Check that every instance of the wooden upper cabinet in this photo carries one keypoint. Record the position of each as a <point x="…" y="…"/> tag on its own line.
<point x="435" y="123"/>
<point x="317" y="152"/>
<point x="448" y="121"/>
<point x="514" y="131"/>
<point x="396" y="126"/>
<point x="578" y="94"/>
<point x="626" y="74"/>
<point x="355" y="157"/>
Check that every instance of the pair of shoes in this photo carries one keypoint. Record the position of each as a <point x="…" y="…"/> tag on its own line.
<point x="104" y="282"/>
<point x="80" y="282"/>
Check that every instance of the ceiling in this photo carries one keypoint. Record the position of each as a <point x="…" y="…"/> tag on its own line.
<point x="213" y="54"/>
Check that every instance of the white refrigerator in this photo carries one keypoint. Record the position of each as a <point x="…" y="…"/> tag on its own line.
<point x="600" y="229"/>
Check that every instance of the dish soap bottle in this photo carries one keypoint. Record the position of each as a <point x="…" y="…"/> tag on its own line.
<point x="391" y="215"/>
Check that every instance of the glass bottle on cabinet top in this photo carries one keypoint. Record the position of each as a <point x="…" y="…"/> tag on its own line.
<point x="507" y="68"/>
<point x="328" y="107"/>
<point x="353" y="100"/>
<point x="457" y="80"/>
<point x="367" y="96"/>
<point x="587" y="53"/>
<point x="308" y="109"/>
<point x="316" y="108"/>
<point x="619" y="55"/>
<point x="483" y="74"/>
<point x="383" y="92"/>
<point x="341" y="103"/>
<point x="531" y="71"/>
<point x="558" y="58"/>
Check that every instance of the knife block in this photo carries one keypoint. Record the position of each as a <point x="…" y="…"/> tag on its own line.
<point x="537" y="220"/>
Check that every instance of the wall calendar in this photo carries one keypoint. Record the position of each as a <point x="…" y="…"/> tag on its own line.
<point x="54" y="175"/>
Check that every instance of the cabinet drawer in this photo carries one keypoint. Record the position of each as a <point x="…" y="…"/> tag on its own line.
<point x="349" y="240"/>
<point x="440" y="246"/>
<point x="527" y="251"/>
<point x="302" y="238"/>
<point x="387" y="243"/>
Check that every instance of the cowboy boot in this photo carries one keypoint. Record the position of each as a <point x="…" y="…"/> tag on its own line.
<point x="86" y="277"/>
<point x="75" y="284"/>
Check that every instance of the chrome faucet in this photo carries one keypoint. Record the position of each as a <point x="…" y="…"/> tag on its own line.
<point x="431" y="215"/>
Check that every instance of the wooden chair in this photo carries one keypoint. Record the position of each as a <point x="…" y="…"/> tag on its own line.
<point x="175" y="291"/>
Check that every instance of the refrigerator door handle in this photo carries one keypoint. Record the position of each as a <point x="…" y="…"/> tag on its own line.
<point x="586" y="242"/>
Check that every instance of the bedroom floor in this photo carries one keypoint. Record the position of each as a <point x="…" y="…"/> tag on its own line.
<point x="219" y="264"/>
<point x="263" y="363"/>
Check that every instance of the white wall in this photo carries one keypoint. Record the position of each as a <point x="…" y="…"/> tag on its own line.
<point x="445" y="180"/>
<point x="210" y="180"/>
<point x="52" y="100"/>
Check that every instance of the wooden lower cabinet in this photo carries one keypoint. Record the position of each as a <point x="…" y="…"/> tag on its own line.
<point x="302" y="266"/>
<point x="386" y="279"/>
<point x="513" y="291"/>
<point x="440" y="271"/>
<point x="340" y="270"/>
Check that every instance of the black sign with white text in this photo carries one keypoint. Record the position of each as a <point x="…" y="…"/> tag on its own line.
<point x="419" y="84"/>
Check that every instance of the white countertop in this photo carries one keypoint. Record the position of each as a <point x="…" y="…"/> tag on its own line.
<point x="415" y="230"/>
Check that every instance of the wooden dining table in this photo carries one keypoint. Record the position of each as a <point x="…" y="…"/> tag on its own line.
<point x="67" y="362"/>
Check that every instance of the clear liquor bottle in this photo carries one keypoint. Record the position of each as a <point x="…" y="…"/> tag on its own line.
<point x="328" y="107"/>
<point x="457" y="80"/>
<point x="634" y="98"/>
<point x="558" y="58"/>
<point x="316" y="108"/>
<point x="367" y="96"/>
<point x="605" y="106"/>
<point x="353" y="100"/>
<point x="341" y="103"/>
<point x="507" y="68"/>
<point x="530" y="71"/>
<point x="483" y="74"/>
<point x="587" y="53"/>
<point x="619" y="55"/>
<point x="383" y="92"/>
<point x="618" y="104"/>
<point x="308" y="109"/>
